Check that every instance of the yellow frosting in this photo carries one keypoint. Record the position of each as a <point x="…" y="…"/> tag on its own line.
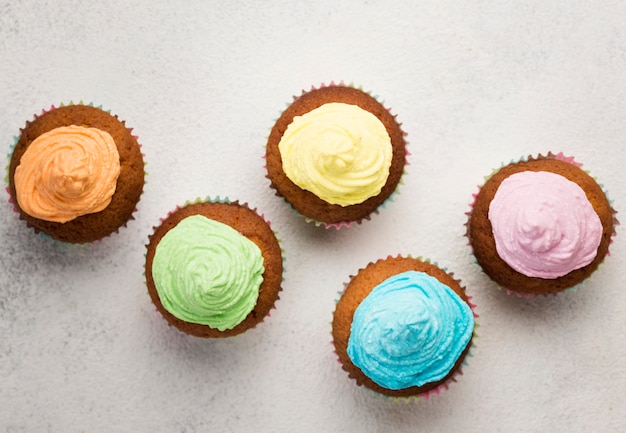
<point x="67" y="172"/>
<point x="339" y="152"/>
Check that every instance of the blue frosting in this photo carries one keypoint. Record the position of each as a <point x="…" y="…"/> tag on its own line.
<point x="409" y="331"/>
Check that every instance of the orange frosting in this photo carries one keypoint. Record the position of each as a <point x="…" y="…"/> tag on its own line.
<point x="67" y="172"/>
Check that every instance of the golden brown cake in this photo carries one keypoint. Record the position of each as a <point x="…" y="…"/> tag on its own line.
<point x="540" y="226"/>
<point x="76" y="173"/>
<point x="403" y="327"/>
<point x="214" y="269"/>
<point x="335" y="155"/>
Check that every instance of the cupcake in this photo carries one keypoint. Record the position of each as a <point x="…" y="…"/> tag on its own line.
<point x="76" y="173"/>
<point x="403" y="327"/>
<point x="335" y="155"/>
<point x="214" y="269"/>
<point x="541" y="225"/>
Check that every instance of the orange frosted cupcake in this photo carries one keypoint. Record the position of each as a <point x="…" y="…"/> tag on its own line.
<point x="76" y="173"/>
<point x="336" y="155"/>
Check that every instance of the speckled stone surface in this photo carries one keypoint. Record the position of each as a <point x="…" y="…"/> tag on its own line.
<point x="82" y="348"/>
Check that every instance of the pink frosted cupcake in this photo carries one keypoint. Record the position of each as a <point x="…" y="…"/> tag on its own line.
<point x="76" y="173"/>
<point x="403" y="327"/>
<point x="540" y="225"/>
<point x="336" y="155"/>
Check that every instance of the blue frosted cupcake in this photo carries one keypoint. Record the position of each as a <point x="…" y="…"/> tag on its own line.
<point x="403" y="327"/>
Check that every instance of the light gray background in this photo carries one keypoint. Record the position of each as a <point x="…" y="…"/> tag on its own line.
<point x="201" y="82"/>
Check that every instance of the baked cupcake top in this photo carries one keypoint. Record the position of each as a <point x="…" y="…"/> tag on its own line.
<point x="540" y="226"/>
<point x="214" y="269"/>
<point x="335" y="154"/>
<point x="402" y="327"/>
<point x="76" y="173"/>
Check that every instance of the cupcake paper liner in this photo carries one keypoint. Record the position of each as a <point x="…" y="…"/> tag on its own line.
<point x="224" y="200"/>
<point x="346" y="224"/>
<point x="16" y="138"/>
<point x="455" y="374"/>
<point x="550" y="155"/>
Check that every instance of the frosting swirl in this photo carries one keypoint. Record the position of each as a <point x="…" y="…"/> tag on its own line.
<point x="339" y="152"/>
<point x="67" y="172"/>
<point x="409" y="331"/>
<point x="543" y="224"/>
<point x="207" y="272"/>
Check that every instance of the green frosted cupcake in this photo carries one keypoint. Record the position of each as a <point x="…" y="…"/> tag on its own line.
<point x="214" y="269"/>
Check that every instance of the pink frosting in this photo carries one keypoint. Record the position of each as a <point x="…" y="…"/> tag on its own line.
<point x="544" y="225"/>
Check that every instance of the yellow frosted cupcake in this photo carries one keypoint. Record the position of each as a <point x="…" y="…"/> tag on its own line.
<point x="336" y="155"/>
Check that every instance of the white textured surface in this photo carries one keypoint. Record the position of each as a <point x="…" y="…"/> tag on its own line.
<point x="83" y="350"/>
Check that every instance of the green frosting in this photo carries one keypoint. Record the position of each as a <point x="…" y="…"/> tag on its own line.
<point x="207" y="272"/>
